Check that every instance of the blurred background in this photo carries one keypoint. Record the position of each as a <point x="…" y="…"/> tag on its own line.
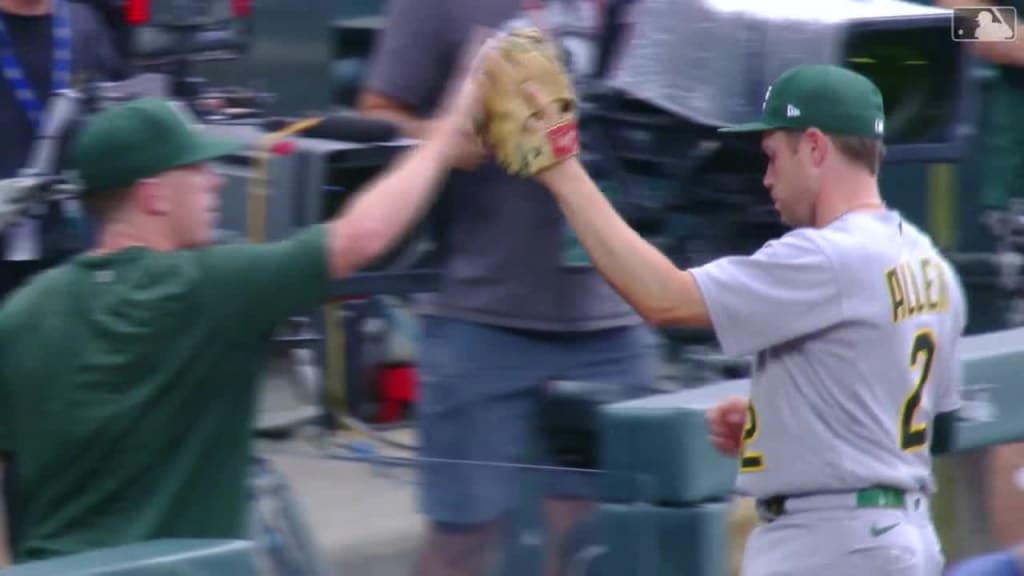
<point x="337" y="454"/>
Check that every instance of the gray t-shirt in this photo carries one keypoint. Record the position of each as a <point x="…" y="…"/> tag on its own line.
<point x="505" y="235"/>
<point x="855" y="329"/>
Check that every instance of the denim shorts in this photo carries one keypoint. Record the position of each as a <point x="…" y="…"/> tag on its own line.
<point x="480" y="388"/>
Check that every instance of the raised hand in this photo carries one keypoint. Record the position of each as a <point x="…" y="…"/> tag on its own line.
<point x="461" y="109"/>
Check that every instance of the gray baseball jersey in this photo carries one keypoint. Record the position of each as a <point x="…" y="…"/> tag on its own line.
<point x="855" y="329"/>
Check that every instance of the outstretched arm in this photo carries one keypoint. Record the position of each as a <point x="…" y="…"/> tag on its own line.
<point x="659" y="291"/>
<point x="787" y="289"/>
<point x="383" y="212"/>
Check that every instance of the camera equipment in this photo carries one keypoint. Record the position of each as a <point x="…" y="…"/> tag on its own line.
<point x="159" y="38"/>
<point x="718" y="71"/>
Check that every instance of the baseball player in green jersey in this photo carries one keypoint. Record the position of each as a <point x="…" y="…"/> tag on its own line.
<point x="128" y="374"/>
<point x="853" y="319"/>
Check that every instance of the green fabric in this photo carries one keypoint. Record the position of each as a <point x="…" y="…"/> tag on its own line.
<point x="881" y="498"/>
<point x="127" y="386"/>
<point x="1002" y="132"/>
<point x="832" y="99"/>
<point x="140" y="139"/>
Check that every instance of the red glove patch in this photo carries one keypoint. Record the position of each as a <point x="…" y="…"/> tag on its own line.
<point x="563" y="140"/>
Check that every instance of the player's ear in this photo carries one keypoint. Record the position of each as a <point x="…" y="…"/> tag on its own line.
<point x="818" y="145"/>
<point x="150" y="197"/>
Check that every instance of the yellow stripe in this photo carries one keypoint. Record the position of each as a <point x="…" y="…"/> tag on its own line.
<point x="335" y="396"/>
<point x="942" y="194"/>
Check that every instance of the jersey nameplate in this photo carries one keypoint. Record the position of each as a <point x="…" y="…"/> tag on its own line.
<point x="917" y="287"/>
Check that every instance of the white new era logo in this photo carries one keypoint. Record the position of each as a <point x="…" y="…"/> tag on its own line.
<point x="792" y="111"/>
<point x="879" y="126"/>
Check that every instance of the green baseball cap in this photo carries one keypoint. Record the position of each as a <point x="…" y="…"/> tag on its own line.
<point x="140" y="139"/>
<point x="832" y="99"/>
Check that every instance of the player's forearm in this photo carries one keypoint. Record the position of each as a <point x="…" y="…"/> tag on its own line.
<point x="383" y="212"/>
<point x="649" y="281"/>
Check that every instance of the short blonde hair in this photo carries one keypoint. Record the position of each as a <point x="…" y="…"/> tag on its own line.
<point x="865" y="152"/>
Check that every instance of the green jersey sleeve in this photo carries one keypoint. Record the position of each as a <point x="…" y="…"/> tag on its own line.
<point x="257" y="286"/>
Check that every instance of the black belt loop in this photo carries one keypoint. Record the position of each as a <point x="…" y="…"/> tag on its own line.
<point x="771" y="508"/>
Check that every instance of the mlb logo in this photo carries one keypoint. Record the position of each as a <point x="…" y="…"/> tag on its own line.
<point x="984" y="24"/>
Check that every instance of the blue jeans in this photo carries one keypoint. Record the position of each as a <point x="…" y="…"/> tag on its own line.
<point x="480" y="388"/>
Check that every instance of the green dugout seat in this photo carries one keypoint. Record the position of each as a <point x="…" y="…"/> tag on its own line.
<point x="656" y="449"/>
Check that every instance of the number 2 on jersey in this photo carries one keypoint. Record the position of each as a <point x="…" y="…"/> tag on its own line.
<point x="922" y="352"/>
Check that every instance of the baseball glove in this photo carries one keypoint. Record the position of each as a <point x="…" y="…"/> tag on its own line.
<point x="529" y="103"/>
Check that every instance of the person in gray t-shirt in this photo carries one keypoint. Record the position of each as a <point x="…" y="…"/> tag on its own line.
<point x="854" y="319"/>
<point x="515" y="308"/>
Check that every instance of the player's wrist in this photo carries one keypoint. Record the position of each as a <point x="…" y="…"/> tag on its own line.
<point x="559" y="178"/>
<point x="447" y="135"/>
<point x="442" y="128"/>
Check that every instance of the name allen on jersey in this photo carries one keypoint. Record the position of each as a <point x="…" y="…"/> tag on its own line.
<point x="917" y="287"/>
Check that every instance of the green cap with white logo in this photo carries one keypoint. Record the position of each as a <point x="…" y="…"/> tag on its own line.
<point x="140" y="139"/>
<point x="832" y="99"/>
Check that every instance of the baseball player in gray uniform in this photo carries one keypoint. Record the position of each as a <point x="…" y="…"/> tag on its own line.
<point x="853" y="319"/>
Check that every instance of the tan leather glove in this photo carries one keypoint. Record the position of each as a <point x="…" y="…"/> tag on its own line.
<point x="529" y="103"/>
